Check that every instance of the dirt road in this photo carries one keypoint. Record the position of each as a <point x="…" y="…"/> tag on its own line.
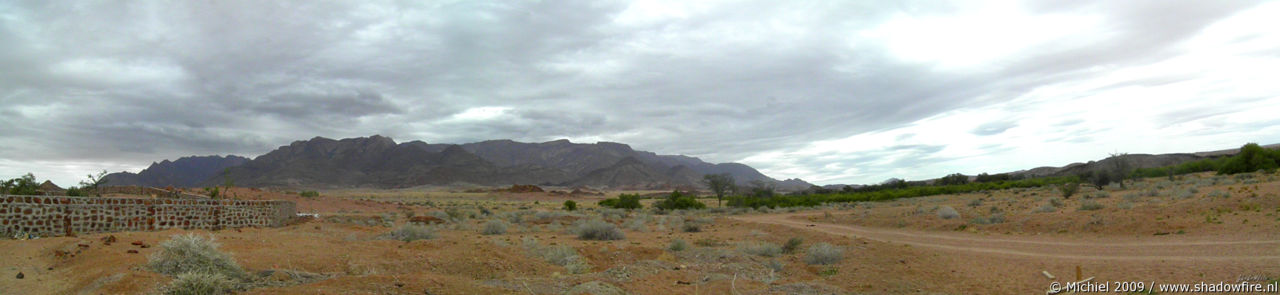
<point x="1149" y="248"/>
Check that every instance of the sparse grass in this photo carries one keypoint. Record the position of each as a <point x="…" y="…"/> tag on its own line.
<point x="791" y="245"/>
<point x="192" y="253"/>
<point x="198" y="283"/>
<point x="494" y="227"/>
<point x="1055" y="202"/>
<point x="774" y="264"/>
<point x="975" y="203"/>
<point x="678" y="245"/>
<point x="413" y="232"/>
<point x="1125" y="205"/>
<point x="1101" y="195"/>
<point x="993" y="219"/>
<point x="1132" y="197"/>
<point x="691" y="227"/>
<point x="561" y="255"/>
<point x="1089" y="205"/>
<point x="765" y="249"/>
<point x="946" y="212"/>
<point x="598" y="230"/>
<point x="1219" y="194"/>
<point x="1047" y="208"/>
<point x="709" y="242"/>
<point x="823" y="254"/>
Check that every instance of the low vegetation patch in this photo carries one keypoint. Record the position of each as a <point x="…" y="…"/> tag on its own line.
<point x="791" y="245"/>
<point x="561" y="255"/>
<point x="413" y="232"/>
<point x="765" y="249"/>
<point x="823" y="254"/>
<point x="623" y="201"/>
<point x="494" y="227"/>
<point x="1089" y="205"/>
<point x="192" y="253"/>
<point x="193" y="283"/>
<point x="678" y="245"/>
<point x="679" y="201"/>
<point x="946" y="212"/>
<point x="598" y="230"/>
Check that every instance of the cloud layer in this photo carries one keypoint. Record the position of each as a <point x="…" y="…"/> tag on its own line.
<point x="828" y="91"/>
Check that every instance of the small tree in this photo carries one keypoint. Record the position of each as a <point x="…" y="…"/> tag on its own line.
<point x="1120" y="167"/>
<point x="93" y="182"/>
<point x="570" y="205"/>
<point x="719" y="184"/>
<point x="25" y="185"/>
<point x="677" y="200"/>
<point x="761" y="189"/>
<point x="953" y="179"/>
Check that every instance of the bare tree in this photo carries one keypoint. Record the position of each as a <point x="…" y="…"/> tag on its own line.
<point x="720" y="184"/>
<point x="94" y="182"/>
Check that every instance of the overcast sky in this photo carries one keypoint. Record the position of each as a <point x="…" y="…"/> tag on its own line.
<point x="826" y="91"/>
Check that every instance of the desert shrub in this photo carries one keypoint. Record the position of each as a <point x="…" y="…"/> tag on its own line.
<point x="1055" y="202"/>
<point x="1101" y="195"/>
<point x="791" y="245"/>
<point x="765" y="249"/>
<point x="570" y="205"/>
<point x="709" y="242"/>
<point x="678" y="245"/>
<point x="946" y="212"/>
<point x="993" y="219"/>
<point x="677" y="200"/>
<point x="1151" y="192"/>
<point x="623" y="201"/>
<point x="1125" y="205"/>
<point x="774" y="265"/>
<point x="561" y="255"/>
<point x="1047" y="208"/>
<point x="638" y="223"/>
<point x="1185" y="194"/>
<point x="1089" y="205"/>
<point x="1131" y="197"/>
<point x="413" y="232"/>
<point x="494" y="227"/>
<point x="975" y="203"/>
<point x="309" y="194"/>
<point x="691" y="227"/>
<point x="1219" y="194"/>
<point x="1069" y="189"/>
<point x="598" y="230"/>
<point x="192" y="253"/>
<point x="198" y="283"/>
<point x="823" y="254"/>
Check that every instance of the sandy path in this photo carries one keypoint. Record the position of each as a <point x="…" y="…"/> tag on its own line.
<point x="1154" y="248"/>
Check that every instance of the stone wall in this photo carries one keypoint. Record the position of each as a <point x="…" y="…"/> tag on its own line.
<point x="47" y="216"/>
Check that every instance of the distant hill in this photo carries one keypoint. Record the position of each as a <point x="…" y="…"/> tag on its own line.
<point x="184" y="172"/>
<point x="380" y="162"/>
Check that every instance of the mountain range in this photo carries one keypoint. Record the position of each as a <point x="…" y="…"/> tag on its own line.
<point x="380" y="162"/>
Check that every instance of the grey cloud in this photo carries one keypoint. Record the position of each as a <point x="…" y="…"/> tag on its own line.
<point x="141" y="81"/>
<point x="993" y="128"/>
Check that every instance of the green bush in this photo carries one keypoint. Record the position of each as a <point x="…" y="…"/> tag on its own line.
<point x="570" y="205"/>
<point x="25" y="185"/>
<point x="623" y="201"/>
<point x="823" y="254"/>
<point x="197" y="283"/>
<point x="599" y="230"/>
<point x="309" y="194"/>
<point x="192" y="253"/>
<point x="679" y="201"/>
<point x="892" y="192"/>
<point x="1069" y="189"/>
<point x="75" y="192"/>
